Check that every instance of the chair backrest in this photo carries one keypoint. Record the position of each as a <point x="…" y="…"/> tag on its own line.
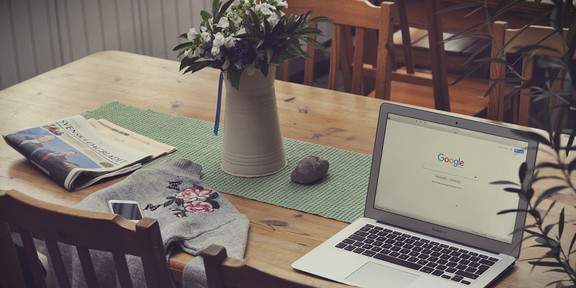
<point x="88" y="231"/>
<point x="225" y="272"/>
<point x="365" y="18"/>
<point x="506" y="40"/>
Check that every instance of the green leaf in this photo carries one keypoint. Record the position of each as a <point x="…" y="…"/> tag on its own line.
<point x="234" y="77"/>
<point x="185" y="63"/>
<point x="511" y="211"/>
<point x="571" y="249"/>
<point x="205" y="16"/>
<point x="215" y="205"/>
<point x="223" y="10"/>
<point x="561" y="224"/>
<point x="549" y="193"/>
<point x="168" y="203"/>
<point x="314" y="43"/>
<point x="269" y="54"/>
<point x="265" y="70"/>
<point x="513" y="190"/>
<point x="197" y="66"/>
<point x="183" y="46"/>
<point x="546" y="263"/>
<point x="522" y="172"/>
<point x="319" y="19"/>
<point x="505" y="182"/>
<point x="534" y="233"/>
<point x="215" y="6"/>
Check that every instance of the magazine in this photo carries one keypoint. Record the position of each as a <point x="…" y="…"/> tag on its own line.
<point x="77" y="152"/>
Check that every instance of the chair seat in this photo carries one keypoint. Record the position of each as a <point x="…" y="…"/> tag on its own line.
<point x="457" y="51"/>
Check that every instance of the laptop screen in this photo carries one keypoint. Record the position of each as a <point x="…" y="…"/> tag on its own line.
<point x="432" y="173"/>
<point x="442" y="174"/>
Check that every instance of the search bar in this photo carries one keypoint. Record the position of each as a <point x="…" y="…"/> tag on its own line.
<point x="450" y="171"/>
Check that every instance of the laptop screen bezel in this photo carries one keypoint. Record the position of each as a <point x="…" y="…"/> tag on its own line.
<point x="442" y="232"/>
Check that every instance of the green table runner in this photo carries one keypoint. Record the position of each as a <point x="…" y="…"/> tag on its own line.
<point x="340" y="196"/>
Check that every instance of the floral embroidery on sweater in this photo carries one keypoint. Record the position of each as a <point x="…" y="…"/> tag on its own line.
<point x="194" y="199"/>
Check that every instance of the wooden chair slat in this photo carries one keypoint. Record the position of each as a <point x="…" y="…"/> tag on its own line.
<point x="334" y="61"/>
<point x="351" y="21"/>
<point x="12" y="275"/>
<point x="309" y="65"/>
<point x="157" y="273"/>
<point x="32" y="257"/>
<point x="58" y="263"/>
<point x="122" y="270"/>
<point x="87" y="267"/>
<point x="358" y="58"/>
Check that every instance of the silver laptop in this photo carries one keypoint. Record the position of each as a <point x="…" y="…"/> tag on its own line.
<point x="432" y="213"/>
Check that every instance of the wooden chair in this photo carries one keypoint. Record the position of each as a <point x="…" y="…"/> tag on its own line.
<point x="347" y="50"/>
<point x="225" y="272"/>
<point x="507" y="40"/>
<point x="437" y="78"/>
<point x="54" y="224"/>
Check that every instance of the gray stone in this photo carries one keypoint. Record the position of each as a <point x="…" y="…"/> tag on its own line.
<point x="310" y="170"/>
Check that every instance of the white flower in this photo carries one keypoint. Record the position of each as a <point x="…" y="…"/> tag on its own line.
<point x="191" y="34"/>
<point x="265" y="8"/>
<point x="237" y="22"/>
<point x="282" y="3"/>
<point x="206" y="37"/>
<point x="197" y="53"/>
<point x="269" y="11"/>
<point x="223" y="23"/>
<point x="218" y="41"/>
<point x="230" y="41"/>
<point x="273" y="19"/>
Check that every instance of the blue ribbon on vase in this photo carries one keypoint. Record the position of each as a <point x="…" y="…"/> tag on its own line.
<point x="217" y="120"/>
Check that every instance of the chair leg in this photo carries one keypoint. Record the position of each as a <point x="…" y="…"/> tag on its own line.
<point x="438" y="65"/>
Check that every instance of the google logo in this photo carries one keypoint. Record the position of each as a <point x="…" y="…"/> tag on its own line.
<point x="455" y="162"/>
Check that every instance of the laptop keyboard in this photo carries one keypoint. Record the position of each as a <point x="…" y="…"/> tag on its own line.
<point x="413" y="252"/>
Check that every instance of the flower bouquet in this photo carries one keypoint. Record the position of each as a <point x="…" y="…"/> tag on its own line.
<point x="247" y="35"/>
<point x="242" y="37"/>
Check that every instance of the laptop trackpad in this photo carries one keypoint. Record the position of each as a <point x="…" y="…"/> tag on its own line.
<point x="376" y="275"/>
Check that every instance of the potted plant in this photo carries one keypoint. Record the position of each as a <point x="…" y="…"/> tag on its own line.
<point x="557" y="119"/>
<point x="246" y="40"/>
<point x="247" y="35"/>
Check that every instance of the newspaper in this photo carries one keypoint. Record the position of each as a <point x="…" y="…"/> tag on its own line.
<point x="77" y="152"/>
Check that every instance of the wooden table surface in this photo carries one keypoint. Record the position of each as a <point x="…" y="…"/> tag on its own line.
<point x="278" y="236"/>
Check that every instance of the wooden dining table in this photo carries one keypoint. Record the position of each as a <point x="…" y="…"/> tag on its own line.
<point x="278" y="236"/>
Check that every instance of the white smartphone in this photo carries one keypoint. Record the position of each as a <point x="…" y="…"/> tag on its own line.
<point x="128" y="209"/>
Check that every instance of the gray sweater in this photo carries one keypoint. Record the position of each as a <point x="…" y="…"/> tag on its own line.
<point x="191" y="217"/>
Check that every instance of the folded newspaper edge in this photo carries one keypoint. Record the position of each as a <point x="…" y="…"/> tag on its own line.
<point x="77" y="152"/>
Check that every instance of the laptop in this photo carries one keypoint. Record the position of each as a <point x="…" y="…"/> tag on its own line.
<point x="431" y="215"/>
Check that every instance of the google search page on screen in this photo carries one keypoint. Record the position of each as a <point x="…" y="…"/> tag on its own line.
<point x="442" y="174"/>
